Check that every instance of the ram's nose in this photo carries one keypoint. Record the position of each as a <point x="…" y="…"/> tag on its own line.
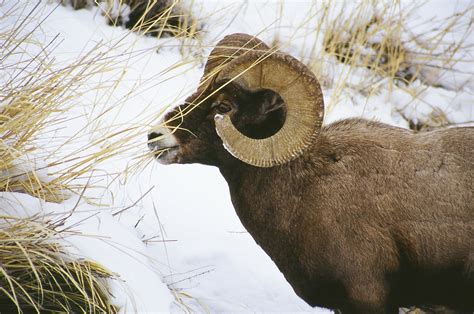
<point x="161" y="138"/>
<point x="153" y="138"/>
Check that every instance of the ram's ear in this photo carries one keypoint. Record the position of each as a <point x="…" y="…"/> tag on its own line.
<point x="271" y="102"/>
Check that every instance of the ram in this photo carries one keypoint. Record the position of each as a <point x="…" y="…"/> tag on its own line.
<point x="359" y="216"/>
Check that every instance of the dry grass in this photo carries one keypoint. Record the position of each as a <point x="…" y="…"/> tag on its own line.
<point x="376" y="37"/>
<point x="157" y="18"/>
<point x="34" y="95"/>
<point x="365" y="46"/>
<point x="35" y="100"/>
<point x="30" y="93"/>
<point x="37" y="275"/>
<point x="160" y="17"/>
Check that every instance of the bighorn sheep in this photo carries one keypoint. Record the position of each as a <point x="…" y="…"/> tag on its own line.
<point x="359" y="216"/>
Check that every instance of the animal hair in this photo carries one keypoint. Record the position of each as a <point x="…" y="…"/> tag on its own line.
<point x="368" y="219"/>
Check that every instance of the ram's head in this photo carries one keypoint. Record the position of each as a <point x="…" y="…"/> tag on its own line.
<point x="255" y="104"/>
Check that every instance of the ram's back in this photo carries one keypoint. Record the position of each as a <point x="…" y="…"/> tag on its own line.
<point x="411" y="194"/>
<point x="426" y="175"/>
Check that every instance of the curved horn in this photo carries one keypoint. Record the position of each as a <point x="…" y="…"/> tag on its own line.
<point x="229" y="48"/>
<point x="300" y="91"/>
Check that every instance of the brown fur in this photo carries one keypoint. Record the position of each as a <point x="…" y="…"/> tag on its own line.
<point x="369" y="219"/>
<point x="372" y="218"/>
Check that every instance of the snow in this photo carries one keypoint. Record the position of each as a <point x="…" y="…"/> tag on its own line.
<point x="179" y="244"/>
<point x="99" y="236"/>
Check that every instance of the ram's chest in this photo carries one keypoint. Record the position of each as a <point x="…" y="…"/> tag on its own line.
<point x="267" y="212"/>
<point x="271" y="216"/>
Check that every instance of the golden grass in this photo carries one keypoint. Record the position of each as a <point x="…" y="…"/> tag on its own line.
<point x="183" y="300"/>
<point x="160" y="17"/>
<point x="371" y="39"/>
<point x="30" y="94"/>
<point x="36" y="98"/>
<point x="37" y="275"/>
<point x="149" y="17"/>
<point x="34" y="95"/>
<point x="37" y="95"/>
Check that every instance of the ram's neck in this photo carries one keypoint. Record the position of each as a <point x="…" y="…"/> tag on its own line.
<point x="267" y="200"/>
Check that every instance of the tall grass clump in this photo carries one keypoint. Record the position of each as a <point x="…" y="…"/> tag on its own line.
<point x="41" y="98"/>
<point x="38" y="276"/>
<point x="368" y="45"/>
<point x="376" y="37"/>
<point x="29" y="93"/>
<point x="36" y="273"/>
<point x="158" y="18"/>
<point x="34" y="95"/>
<point x="37" y="95"/>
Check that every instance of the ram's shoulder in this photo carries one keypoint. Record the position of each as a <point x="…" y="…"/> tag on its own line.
<point x="362" y="145"/>
<point x="359" y="134"/>
<point x="356" y="126"/>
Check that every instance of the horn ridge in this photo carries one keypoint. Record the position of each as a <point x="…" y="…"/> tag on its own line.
<point x="229" y="48"/>
<point x="300" y="91"/>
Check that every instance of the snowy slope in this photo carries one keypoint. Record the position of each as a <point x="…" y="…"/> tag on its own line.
<point x="182" y="238"/>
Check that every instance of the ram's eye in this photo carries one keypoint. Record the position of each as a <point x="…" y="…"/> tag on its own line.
<point x="223" y="107"/>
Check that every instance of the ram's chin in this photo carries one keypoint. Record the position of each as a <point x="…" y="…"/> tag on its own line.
<point x="167" y="157"/>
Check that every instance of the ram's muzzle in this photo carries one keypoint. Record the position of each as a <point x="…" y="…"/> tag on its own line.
<point x="164" y="144"/>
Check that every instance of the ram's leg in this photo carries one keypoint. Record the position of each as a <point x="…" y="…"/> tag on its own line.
<point x="370" y="298"/>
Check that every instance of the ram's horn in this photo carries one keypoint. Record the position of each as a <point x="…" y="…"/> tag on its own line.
<point x="299" y="89"/>
<point x="227" y="49"/>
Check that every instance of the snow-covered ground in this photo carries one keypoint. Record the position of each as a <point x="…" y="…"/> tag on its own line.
<point x="179" y="244"/>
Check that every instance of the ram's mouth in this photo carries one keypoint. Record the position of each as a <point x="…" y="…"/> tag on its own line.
<point x="163" y="151"/>
<point x="165" y="155"/>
